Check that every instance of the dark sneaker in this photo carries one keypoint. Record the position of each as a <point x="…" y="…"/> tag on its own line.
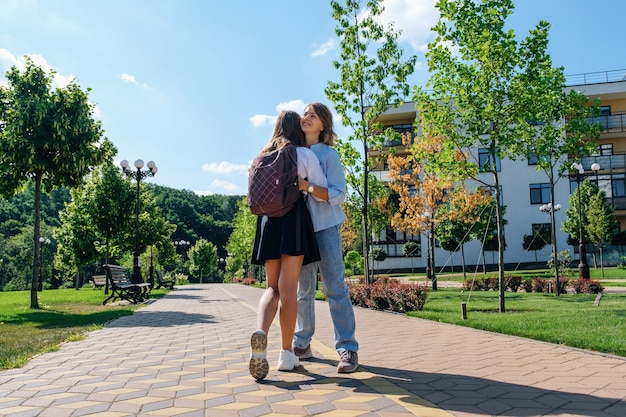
<point x="303" y="353"/>
<point x="258" y="355"/>
<point x="349" y="362"/>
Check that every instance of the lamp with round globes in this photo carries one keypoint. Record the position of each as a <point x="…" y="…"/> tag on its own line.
<point x="138" y="175"/>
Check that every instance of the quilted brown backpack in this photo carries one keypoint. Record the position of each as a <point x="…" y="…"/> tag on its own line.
<point x="273" y="182"/>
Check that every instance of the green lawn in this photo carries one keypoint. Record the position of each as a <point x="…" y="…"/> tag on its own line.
<point x="571" y="320"/>
<point x="65" y="315"/>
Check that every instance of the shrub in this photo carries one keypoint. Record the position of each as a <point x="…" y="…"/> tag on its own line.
<point x="539" y="285"/>
<point x="527" y="285"/>
<point x="492" y="284"/>
<point x="181" y="279"/>
<point x="513" y="283"/>
<point x="587" y="286"/>
<point x="475" y="284"/>
<point x="359" y="294"/>
<point x="389" y="294"/>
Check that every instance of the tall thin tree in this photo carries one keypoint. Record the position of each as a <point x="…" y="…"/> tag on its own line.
<point x="373" y="77"/>
<point x="49" y="136"/>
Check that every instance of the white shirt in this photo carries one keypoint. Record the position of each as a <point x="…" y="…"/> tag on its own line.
<point x="309" y="168"/>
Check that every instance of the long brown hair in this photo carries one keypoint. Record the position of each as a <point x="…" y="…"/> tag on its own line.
<point x="327" y="135"/>
<point x="287" y="130"/>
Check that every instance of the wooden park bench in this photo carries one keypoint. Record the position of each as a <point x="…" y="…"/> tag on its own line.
<point x="122" y="288"/>
<point x="99" y="281"/>
<point x="165" y="283"/>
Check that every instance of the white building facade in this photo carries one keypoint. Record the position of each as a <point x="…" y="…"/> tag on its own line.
<point x="524" y="190"/>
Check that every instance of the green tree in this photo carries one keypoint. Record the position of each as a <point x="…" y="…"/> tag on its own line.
<point x="577" y="212"/>
<point x="76" y="239"/>
<point x="240" y="243"/>
<point x="49" y="136"/>
<point x="373" y="77"/>
<point x="604" y="224"/>
<point x="353" y="259"/>
<point x="533" y="243"/>
<point x="479" y="91"/>
<point x="411" y="249"/>
<point x="203" y="259"/>
<point x="557" y="123"/>
<point x="107" y="201"/>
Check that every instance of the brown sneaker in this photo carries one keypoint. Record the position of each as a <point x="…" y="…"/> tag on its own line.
<point x="303" y="353"/>
<point x="349" y="362"/>
<point x="258" y="362"/>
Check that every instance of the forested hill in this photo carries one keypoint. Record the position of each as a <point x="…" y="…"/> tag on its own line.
<point x="209" y="217"/>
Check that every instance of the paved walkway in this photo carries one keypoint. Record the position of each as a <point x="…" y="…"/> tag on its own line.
<point x="186" y="355"/>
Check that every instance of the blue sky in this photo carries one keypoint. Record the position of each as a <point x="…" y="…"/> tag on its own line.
<point x="195" y="85"/>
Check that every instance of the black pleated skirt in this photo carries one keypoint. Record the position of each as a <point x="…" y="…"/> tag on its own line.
<point x="291" y="234"/>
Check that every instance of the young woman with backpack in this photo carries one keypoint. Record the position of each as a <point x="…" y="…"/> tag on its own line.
<point x="283" y="245"/>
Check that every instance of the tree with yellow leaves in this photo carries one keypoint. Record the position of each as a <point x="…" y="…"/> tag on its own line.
<point x="428" y="178"/>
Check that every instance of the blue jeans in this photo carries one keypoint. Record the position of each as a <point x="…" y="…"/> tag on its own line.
<point x="336" y="290"/>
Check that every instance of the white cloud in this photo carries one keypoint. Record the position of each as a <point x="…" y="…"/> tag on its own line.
<point x="324" y="48"/>
<point x="8" y="60"/>
<point x="260" y="120"/>
<point x="129" y="78"/>
<point x="414" y="19"/>
<point x="132" y="80"/>
<point x="295" y="105"/>
<point x="222" y="187"/>
<point x="225" y="168"/>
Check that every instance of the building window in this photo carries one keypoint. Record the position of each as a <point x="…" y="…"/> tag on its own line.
<point x="485" y="161"/>
<point x="606" y="149"/>
<point x="605" y="110"/>
<point x="542" y="231"/>
<point x="540" y="193"/>
<point x="490" y="191"/>
<point x="401" y="129"/>
<point x="533" y="159"/>
<point x="618" y="185"/>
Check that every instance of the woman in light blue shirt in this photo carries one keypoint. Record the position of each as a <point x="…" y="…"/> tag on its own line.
<point x="327" y="216"/>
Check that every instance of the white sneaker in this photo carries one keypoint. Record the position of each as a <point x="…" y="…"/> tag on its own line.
<point x="287" y="360"/>
<point x="258" y="362"/>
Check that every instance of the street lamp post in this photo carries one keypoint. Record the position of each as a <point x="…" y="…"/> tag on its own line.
<point x="40" y="280"/>
<point x="583" y="268"/>
<point x="549" y="208"/>
<point x="430" y="257"/>
<point x="182" y="244"/>
<point x="137" y="175"/>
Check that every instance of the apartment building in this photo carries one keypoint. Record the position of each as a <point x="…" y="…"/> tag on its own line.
<point x="524" y="189"/>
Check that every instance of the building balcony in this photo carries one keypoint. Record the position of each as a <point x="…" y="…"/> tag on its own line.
<point x="614" y="123"/>
<point x="601" y="77"/>
<point x="610" y="163"/>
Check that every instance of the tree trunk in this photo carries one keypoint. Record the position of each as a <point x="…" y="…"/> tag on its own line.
<point x="463" y="260"/>
<point x="34" y="302"/>
<point x="500" y="226"/>
<point x="601" y="260"/>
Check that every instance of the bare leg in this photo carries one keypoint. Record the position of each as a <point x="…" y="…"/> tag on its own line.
<point x="288" y="293"/>
<point x="268" y="303"/>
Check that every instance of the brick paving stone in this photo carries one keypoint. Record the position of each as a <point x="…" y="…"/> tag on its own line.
<point x="187" y="355"/>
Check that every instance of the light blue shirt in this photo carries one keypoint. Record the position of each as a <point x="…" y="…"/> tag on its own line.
<point x="327" y="214"/>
